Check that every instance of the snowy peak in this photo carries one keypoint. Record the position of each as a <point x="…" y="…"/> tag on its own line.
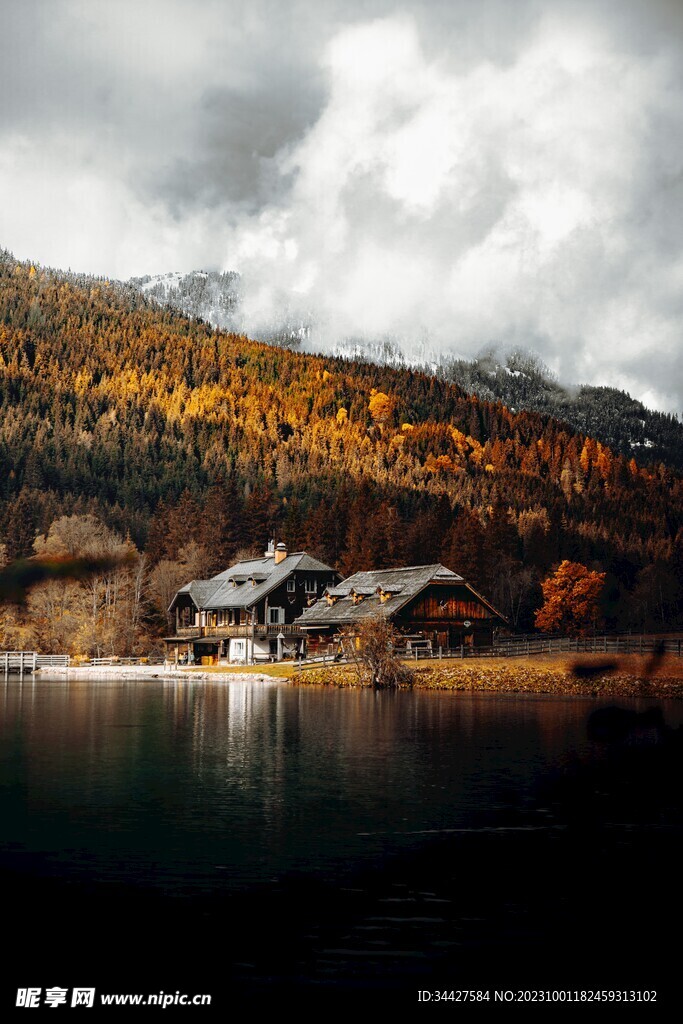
<point x="205" y="295"/>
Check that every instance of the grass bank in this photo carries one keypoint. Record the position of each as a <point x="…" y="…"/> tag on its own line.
<point x="582" y="675"/>
<point x="283" y="670"/>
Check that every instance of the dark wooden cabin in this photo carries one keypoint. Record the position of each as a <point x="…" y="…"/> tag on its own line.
<point x="247" y="612"/>
<point x="429" y="604"/>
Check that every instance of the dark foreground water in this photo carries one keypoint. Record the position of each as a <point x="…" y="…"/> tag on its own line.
<point x="269" y="843"/>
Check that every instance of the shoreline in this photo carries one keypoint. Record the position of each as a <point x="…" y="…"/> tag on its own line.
<point x="581" y="676"/>
<point x="587" y="675"/>
<point x="143" y="673"/>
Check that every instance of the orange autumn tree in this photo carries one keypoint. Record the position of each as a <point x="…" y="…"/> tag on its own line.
<point x="381" y="406"/>
<point x="571" y="598"/>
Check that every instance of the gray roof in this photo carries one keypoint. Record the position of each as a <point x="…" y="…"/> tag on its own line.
<point x="199" y="590"/>
<point x="220" y="591"/>
<point x="402" y="584"/>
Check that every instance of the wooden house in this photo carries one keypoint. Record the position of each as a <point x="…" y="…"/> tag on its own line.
<point x="247" y="612"/>
<point x="429" y="604"/>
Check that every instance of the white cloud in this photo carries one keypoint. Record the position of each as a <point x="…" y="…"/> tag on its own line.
<point x="61" y="204"/>
<point x="495" y="203"/>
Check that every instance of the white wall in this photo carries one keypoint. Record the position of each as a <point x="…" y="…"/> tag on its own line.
<point x="240" y="649"/>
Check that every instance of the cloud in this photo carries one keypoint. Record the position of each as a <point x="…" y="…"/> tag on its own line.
<point x="444" y="171"/>
<point x="516" y="203"/>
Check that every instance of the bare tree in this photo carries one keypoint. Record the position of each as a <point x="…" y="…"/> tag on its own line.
<point x="88" y="611"/>
<point x="370" y="648"/>
<point x="170" y="574"/>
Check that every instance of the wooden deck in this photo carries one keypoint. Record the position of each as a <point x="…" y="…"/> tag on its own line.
<point x="29" y="661"/>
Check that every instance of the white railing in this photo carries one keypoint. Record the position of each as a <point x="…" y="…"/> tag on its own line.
<point x="17" y="661"/>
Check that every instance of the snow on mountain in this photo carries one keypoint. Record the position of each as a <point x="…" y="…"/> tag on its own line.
<point x="207" y="295"/>
<point x="517" y="379"/>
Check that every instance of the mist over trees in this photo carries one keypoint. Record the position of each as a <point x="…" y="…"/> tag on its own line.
<point x="517" y="378"/>
<point x="520" y="380"/>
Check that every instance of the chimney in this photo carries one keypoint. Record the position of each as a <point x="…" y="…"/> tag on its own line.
<point x="270" y="550"/>
<point x="280" y="553"/>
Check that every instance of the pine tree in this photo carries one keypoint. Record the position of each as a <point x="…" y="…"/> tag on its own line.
<point x="221" y="527"/>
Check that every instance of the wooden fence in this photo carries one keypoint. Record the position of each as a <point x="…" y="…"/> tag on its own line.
<point x="29" y="661"/>
<point x="526" y="646"/>
<point x="522" y="647"/>
<point x="53" y="661"/>
<point x="18" y="661"/>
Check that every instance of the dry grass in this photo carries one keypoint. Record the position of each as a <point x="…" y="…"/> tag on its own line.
<point x="631" y="675"/>
<point x="281" y="671"/>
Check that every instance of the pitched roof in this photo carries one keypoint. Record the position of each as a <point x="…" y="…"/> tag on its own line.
<point x="233" y="588"/>
<point x="401" y="584"/>
<point x="199" y="590"/>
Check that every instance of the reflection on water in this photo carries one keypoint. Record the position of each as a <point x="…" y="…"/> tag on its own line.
<point x="185" y="784"/>
<point x="196" y="790"/>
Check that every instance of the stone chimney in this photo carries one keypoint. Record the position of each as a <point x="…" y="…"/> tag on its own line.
<point x="280" y="553"/>
<point x="270" y="550"/>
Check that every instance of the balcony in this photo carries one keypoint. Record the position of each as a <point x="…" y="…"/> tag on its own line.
<point x="286" y="628"/>
<point x="224" y="632"/>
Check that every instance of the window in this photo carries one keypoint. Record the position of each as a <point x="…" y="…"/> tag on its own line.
<point x="276" y="616"/>
<point x="311" y="587"/>
<point x="291" y="586"/>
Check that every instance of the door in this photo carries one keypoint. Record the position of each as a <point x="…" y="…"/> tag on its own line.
<point x="238" y="650"/>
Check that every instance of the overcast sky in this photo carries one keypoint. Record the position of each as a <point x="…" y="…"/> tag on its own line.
<point x="453" y="173"/>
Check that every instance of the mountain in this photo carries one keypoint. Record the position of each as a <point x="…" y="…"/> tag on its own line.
<point x="519" y="379"/>
<point x="205" y="295"/>
<point x="216" y="298"/>
<point x="177" y="434"/>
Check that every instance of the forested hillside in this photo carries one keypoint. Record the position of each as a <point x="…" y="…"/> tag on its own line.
<point x="518" y="379"/>
<point x="205" y="295"/>
<point x="521" y="381"/>
<point x="185" y="444"/>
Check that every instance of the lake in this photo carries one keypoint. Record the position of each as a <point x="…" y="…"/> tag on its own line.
<point x="265" y="841"/>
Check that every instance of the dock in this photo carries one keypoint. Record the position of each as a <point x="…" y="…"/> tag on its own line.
<point x="29" y="661"/>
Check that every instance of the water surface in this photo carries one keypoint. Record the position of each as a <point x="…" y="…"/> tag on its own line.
<point x="349" y="836"/>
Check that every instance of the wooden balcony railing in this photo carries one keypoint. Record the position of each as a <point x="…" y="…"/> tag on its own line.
<point x="222" y="632"/>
